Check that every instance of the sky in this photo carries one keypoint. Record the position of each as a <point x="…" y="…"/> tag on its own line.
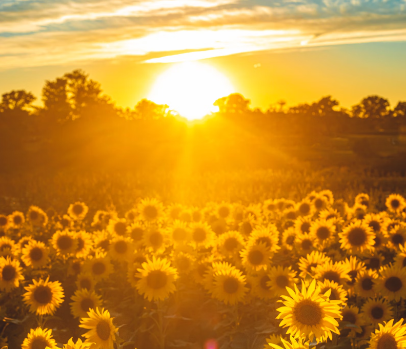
<point x="297" y="51"/>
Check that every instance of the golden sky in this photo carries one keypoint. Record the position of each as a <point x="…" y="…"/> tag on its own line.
<point x="296" y="50"/>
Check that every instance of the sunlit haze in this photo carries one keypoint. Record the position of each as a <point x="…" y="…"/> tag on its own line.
<point x="190" y="89"/>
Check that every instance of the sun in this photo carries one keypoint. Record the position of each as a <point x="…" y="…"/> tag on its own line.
<point x="191" y="88"/>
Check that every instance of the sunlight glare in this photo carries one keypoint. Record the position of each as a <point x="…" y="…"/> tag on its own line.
<point x="191" y="88"/>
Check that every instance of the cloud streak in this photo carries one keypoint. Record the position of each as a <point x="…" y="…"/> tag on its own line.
<point x="36" y="33"/>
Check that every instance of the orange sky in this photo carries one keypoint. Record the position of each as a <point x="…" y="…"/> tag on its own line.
<point x="297" y="51"/>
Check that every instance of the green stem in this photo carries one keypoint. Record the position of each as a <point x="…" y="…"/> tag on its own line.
<point x="161" y="331"/>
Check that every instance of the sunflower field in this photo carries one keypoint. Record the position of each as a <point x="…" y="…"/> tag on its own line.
<point x="315" y="272"/>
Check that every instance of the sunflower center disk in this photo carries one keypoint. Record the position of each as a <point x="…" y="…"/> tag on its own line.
<point x="77" y="209"/>
<point x="103" y="330"/>
<point x="393" y="284"/>
<point x="151" y="212"/>
<point x="199" y="235"/>
<point x="263" y="282"/>
<point x="332" y="276"/>
<point x="357" y="237"/>
<point x="255" y="257"/>
<point x="85" y="283"/>
<point x="349" y="317"/>
<point x="306" y="244"/>
<point x="65" y="242"/>
<point x="98" y="268"/>
<point x="230" y="244"/>
<point x="87" y="304"/>
<point x="39" y="343"/>
<point x="156" y="239"/>
<point x="8" y="273"/>
<point x="308" y="313"/>
<point x="120" y="247"/>
<point x="397" y="239"/>
<point x="120" y="228"/>
<point x="156" y="279"/>
<point x="282" y="281"/>
<point x="377" y="312"/>
<point x="36" y="254"/>
<point x="367" y="284"/>
<point x="230" y="285"/>
<point x="323" y="233"/>
<point x="387" y="341"/>
<point x="43" y="294"/>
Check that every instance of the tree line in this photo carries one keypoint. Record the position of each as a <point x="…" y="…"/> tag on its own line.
<point x="76" y="117"/>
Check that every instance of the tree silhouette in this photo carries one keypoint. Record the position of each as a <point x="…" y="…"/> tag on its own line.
<point x="148" y="110"/>
<point x="374" y="107"/>
<point x="17" y="100"/>
<point x="235" y="103"/>
<point x="56" y="103"/>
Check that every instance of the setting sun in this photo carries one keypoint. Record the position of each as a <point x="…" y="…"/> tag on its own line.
<point x="191" y="88"/>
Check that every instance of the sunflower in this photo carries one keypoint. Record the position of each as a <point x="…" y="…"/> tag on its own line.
<point x="308" y="313"/>
<point x="305" y="208"/>
<point x="341" y="206"/>
<point x="39" y="338"/>
<point x="7" y="247"/>
<point x="131" y="215"/>
<point x="65" y="242"/>
<point x="4" y="224"/>
<point x="292" y="344"/>
<point x="75" y="266"/>
<point x="377" y="311"/>
<point x="355" y="267"/>
<point x="358" y="211"/>
<point x="78" y="211"/>
<point x="230" y="243"/>
<point x="121" y="248"/>
<point x="374" y="221"/>
<point x="330" y="214"/>
<point x="389" y="336"/>
<point x="280" y="279"/>
<point x="223" y="210"/>
<point x="362" y="199"/>
<point x="337" y="272"/>
<point x="117" y="227"/>
<point x="267" y="236"/>
<point x="273" y="339"/>
<point x="132" y="271"/>
<point x="66" y="222"/>
<point x="99" y="267"/>
<point x="324" y="232"/>
<point x="269" y="207"/>
<point x="337" y="291"/>
<point x="44" y="297"/>
<point x="391" y="283"/>
<point x="156" y="279"/>
<point x="364" y="283"/>
<point x="290" y="214"/>
<point x="328" y="194"/>
<point x="352" y="316"/>
<point x="304" y="244"/>
<point x="150" y="209"/>
<point x="37" y="216"/>
<point x="10" y="274"/>
<point x="374" y="261"/>
<point x="155" y="239"/>
<point x="202" y="234"/>
<point x="101" y="241"/>
<point x="401" y="257"/>
<point x="136" y="232"/>
<point x="302" y="225"/>
<point x="179" y="233"/>
<point x="84" y="244"/>
<point x="78" y="345"/>
<point x="357" y="237"/>
<point x="200" y="269"/>
<point x="395" y="203"/>
<point x="256" y="257"/>
<point x="288" y="238"/>
<point x="83" y="300"/>
<point x="16" y="219"/>
<point x="85" y="281"/>
<point x="183" y="262"/>
<point x="312" y="260"/>
<point x="259" y="284"/>
<point x="246" y="226"/>
<point x="229" y="285"/>
<point x="320" y="202"/>
<point x="397" y="236"/>
<point x="102" y="331"/>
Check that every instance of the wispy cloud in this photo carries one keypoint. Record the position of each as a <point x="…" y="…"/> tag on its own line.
<point x="34" y="33"/>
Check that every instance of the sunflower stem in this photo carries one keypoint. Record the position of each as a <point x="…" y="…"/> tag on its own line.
<point x="161" y="331"/>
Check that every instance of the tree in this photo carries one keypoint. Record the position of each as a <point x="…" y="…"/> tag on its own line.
<point x="400" y="110"/>
<point x="235" y="103"/>
<point x="374" y="107"/>
<point x="148" y="110"/>
<point x="17" y="100"/>
<point x="56" y="102"/>
<point x="324" y="107"/>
